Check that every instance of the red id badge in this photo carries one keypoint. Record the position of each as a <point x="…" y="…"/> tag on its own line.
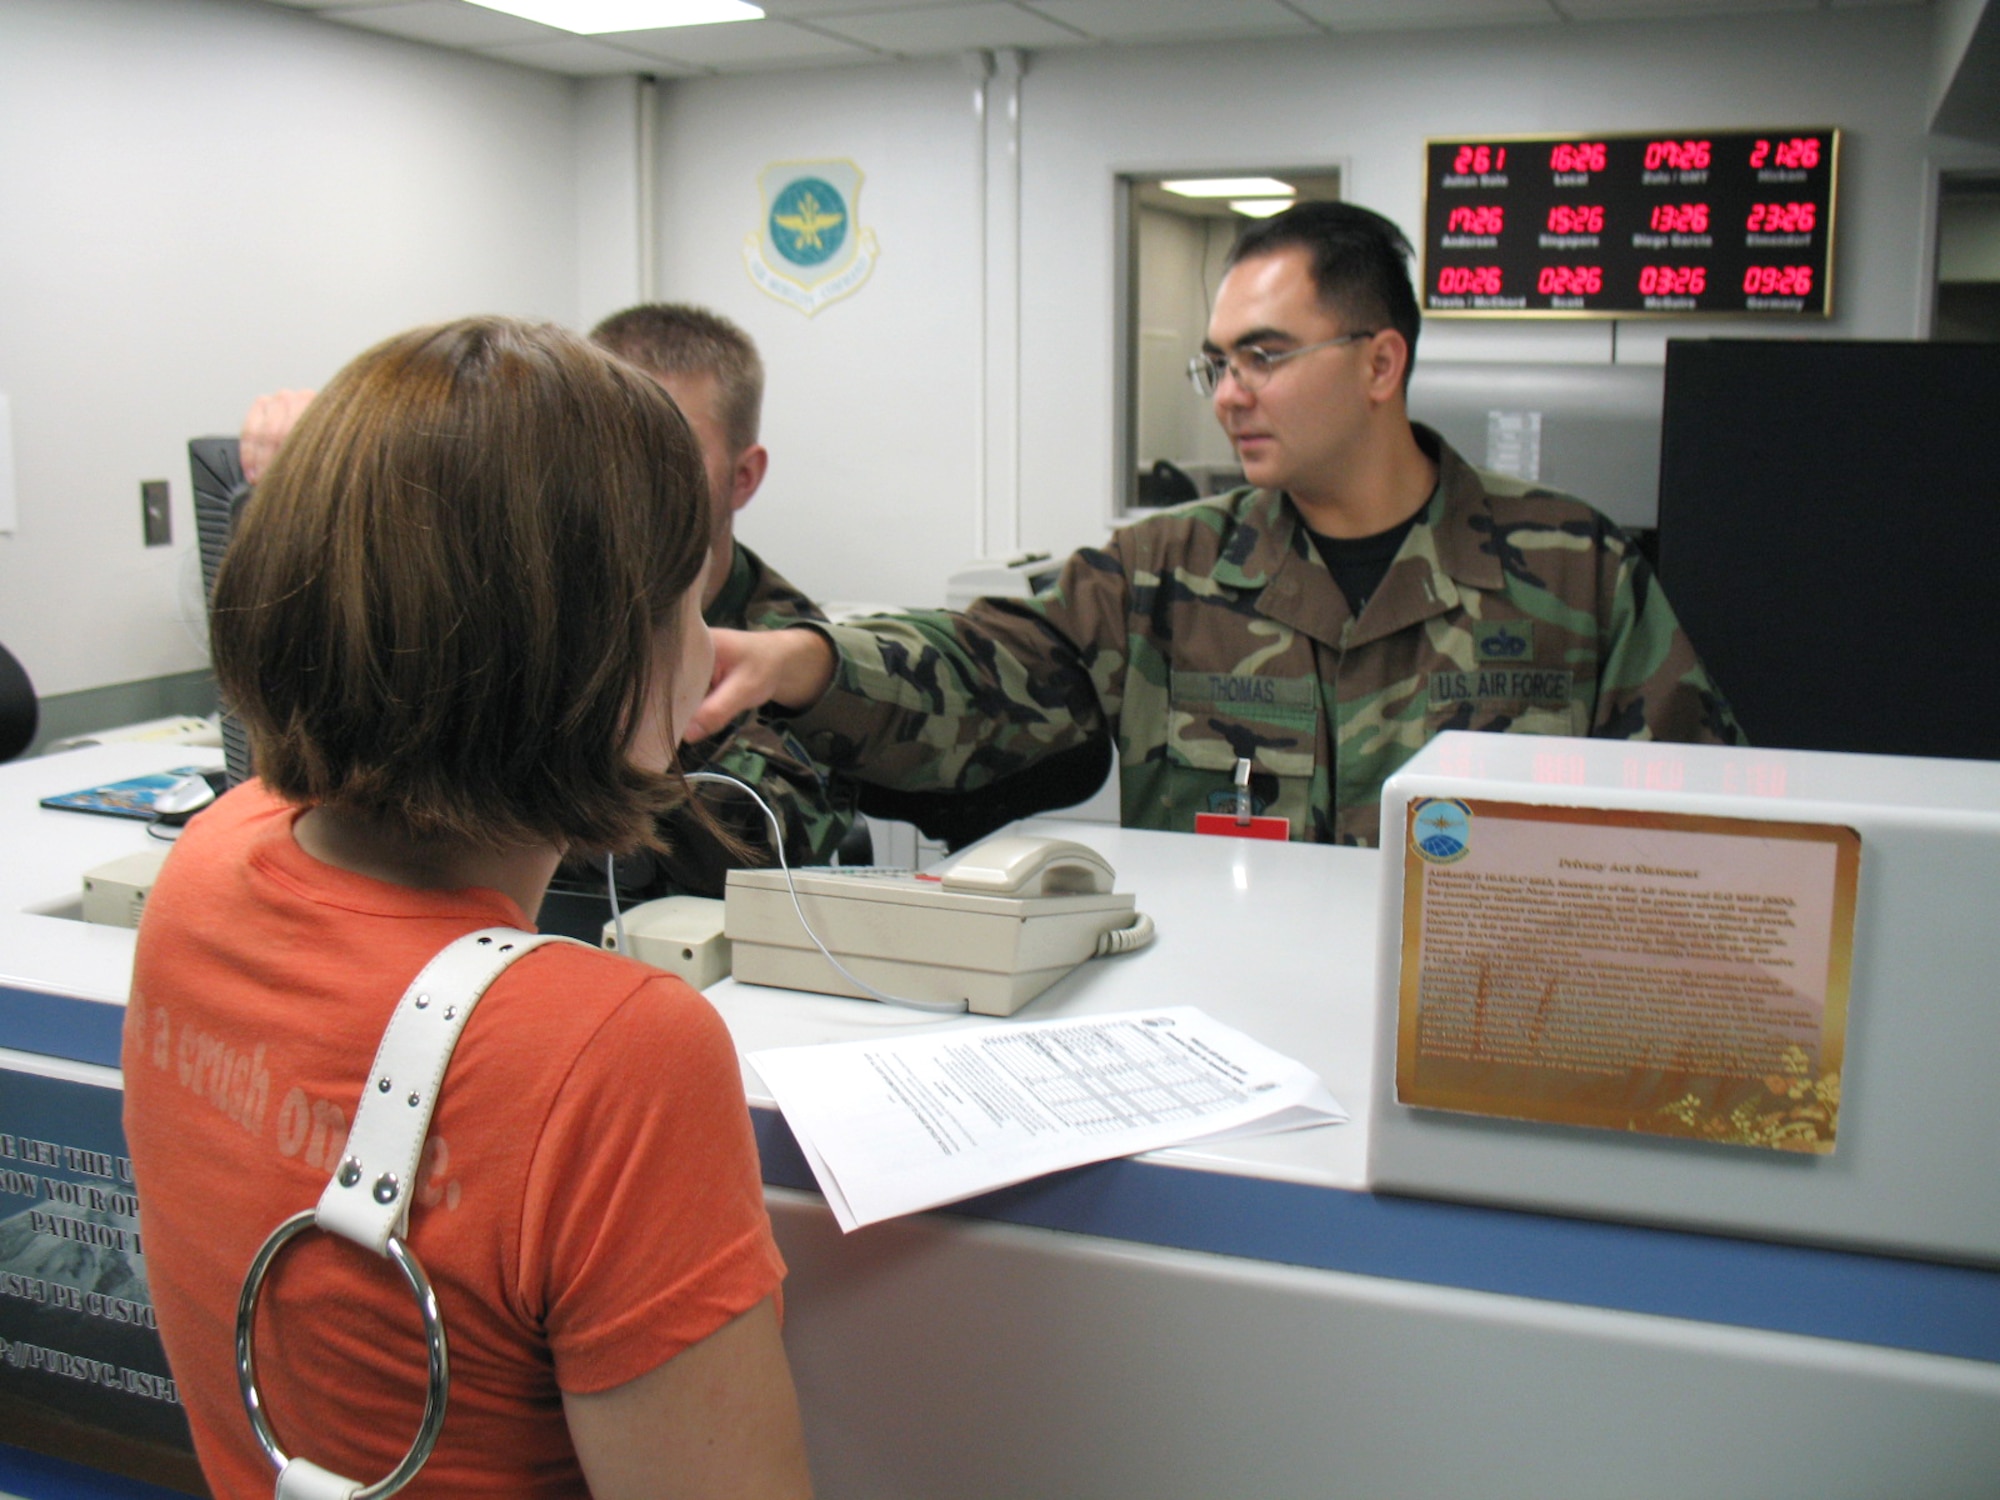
<point x="1225" y="825"/>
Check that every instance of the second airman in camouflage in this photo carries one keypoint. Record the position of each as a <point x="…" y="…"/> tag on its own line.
<point x="712" y="370"/>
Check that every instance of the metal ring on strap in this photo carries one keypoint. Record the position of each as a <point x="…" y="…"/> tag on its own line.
<point x="440" y="1363"/>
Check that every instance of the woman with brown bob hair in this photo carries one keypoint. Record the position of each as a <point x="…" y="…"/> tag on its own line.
<point x="461" y="621"/>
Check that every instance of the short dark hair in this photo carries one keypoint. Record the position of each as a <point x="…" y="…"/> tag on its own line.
<point x="675" y="338"/>
<point x="1360" y="262"/>
<point x="442" y="605"/>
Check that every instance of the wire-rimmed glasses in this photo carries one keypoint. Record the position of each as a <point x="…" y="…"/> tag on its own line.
<point x="1252" y="366"/>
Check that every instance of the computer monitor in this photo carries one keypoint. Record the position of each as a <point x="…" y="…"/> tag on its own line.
<point x="1829" y="510"/>
<point x="220" y="493"/>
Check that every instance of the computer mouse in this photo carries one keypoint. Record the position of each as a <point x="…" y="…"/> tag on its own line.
<point x="182" y="800"/>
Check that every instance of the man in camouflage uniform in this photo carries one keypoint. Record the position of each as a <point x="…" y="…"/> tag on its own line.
<point x="1369" y="590"/>
<point x="712" y="370"/>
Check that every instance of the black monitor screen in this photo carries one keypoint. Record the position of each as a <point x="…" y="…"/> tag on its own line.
<point x="1829" y="517"/>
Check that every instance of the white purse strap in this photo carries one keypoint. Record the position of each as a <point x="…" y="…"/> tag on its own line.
<point x="369" y="1197"/>
<point x="368" y="1200"/>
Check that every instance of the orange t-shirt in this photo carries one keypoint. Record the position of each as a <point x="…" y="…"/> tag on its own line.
<point x="589" y="1202"/>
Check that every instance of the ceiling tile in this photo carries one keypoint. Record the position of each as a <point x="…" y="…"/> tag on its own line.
<point x="1389" y="15"/>
<point x="736" y="46"/>
<point x="445" y="23"/>
<point x="832" y="31"/>
<point x="1621" y="10"/>
<point x="1175" y="20"/>
<point x="950" y="29"/>
<point x="586" y="58"/>
<point x="818" y="10"/>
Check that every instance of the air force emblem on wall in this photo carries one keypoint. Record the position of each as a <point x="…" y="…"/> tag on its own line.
<point x="811" y="248"/>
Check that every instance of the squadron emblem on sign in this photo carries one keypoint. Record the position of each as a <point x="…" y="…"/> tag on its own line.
<point x="1441" y="830"/>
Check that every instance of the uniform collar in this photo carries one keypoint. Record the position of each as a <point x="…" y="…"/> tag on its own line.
<point x="1270" y="551"/>
<point x="730" y="604"/>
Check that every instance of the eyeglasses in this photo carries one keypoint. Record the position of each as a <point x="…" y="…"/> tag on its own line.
<point x="1252" y="366"/>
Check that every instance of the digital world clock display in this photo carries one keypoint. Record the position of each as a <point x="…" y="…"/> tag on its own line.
<point x="1667" y="224"/>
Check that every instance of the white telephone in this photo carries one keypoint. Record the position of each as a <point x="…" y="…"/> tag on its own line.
<point x="988" y="932"/>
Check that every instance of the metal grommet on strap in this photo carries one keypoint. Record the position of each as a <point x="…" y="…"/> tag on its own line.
<point x="434" y="1341"/>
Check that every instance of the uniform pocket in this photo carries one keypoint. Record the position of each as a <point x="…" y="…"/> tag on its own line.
<point x="1215" y="719"/>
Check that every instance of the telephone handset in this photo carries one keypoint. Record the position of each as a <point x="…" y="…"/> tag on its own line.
<point x="1017" y="865"/>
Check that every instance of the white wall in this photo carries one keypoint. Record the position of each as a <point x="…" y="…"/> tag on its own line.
<point x="1957" y="22"/>
<point x="209" y="198"/>
<point x="606" y="151"/>
<point x="871" y="406"/>
<point x="872" y="421"/>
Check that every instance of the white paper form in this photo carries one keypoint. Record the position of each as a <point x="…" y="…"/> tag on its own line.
<point x="911" y="1122"/>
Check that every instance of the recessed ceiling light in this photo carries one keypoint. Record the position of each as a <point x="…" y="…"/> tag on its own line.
<point x="1261" y="208"/>
<point x="1230" y="187"/>
<point x="593" y="17"/>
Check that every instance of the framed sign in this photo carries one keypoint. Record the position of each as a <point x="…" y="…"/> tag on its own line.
<point x="1680" y="224"/>
<point x="1665" y="973"/>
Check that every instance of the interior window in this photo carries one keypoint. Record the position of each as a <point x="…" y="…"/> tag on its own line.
<point x="1177" y="228"/>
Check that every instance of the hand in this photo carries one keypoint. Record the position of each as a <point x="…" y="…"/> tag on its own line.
<point x="270" y="418"/>
<point x="791" y="668"/>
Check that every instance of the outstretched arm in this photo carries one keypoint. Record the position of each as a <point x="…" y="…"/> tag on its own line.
<point x="789" y="668"/>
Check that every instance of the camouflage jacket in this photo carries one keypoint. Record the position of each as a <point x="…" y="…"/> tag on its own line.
<point x="815" y="808"/>
<point x="1214" y="631"/>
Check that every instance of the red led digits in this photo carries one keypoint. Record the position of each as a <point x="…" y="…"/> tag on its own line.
<point x="1476" y="281"/>
<point x="1783" y="218"/>
<point x="1570" y="281"/>
<point x="1673" y="281"/>
<point x="1678" y="156"/>
<point x="1673" y="219"/>
<point x="1679" y="218"/>
<point x="1577" y="156"/>
<point x="1778" y="281"/>
<point x="1801" y="152"/>
<point x="1487" y="218"/>
<point x="1580" y="218"/>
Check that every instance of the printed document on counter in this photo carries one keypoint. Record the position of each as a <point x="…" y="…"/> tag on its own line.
<point x="891" y="1127"/>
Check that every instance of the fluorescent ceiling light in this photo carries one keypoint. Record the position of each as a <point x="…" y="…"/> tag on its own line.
<point x="1230" y="187"/>
<point x="1261" y="208"/>
<point x="593" y="17"/>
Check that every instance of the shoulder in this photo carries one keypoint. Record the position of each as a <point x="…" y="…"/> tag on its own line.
<point x="1197" y="535"/>
<point x="1519" y="499"/>
<point x="578" y="991"/>
<point x="1502" y="510"/>
<point x="246" y="811"/>
<point x="757" y="594"/>
<point x="218" y="858"/>
<point x="613" y="1036"/>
